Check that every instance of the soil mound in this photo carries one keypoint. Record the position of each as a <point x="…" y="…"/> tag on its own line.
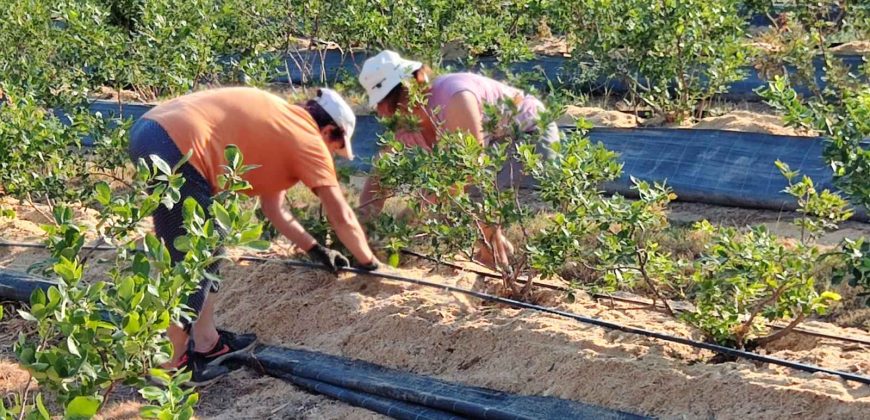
<point x="853" y="47"/>
<point x="599" y="117"/>
<point x="459" y="339"/>
<point x="750" y="122"/>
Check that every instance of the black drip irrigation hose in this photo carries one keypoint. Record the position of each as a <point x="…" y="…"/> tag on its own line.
<point x="386" y="406"/>
<point x="10" y="292"/>
<point x="618" y="298"/>
<point x="478" y="272"/>
<point x="582" y="319"/>
<point x="43" y="246"/>
<point x="488" y="275"/>
<point x="775" y="326"/>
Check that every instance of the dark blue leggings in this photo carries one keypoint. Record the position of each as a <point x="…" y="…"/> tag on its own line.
<point x="147" y="138"/>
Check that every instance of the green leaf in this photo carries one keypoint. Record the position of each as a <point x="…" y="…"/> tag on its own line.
<point x="161" y="375"/>
<point x="828" y="295"/>
<point x="151" y="393"/>
<point x="82" y="407"/>
<point x="222" y="216"/>
<point x="27" y="316"/>
<point x="40" y="406"/>
<point x="103" y="193"/>
<point x="71" y="346"/>
<point x="131" y="323"/>
<point x="125" y="288"/>
<point x="182" y="243"/>
<point x="259" y="245"/>
<point x="161" y="165"/>
<point x="149" y="411"/>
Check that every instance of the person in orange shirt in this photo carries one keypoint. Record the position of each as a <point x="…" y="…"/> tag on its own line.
<point x="289" y="144"/>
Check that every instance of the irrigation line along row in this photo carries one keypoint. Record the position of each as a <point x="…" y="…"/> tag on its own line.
<point x="495" y="276"/>
<point x="586" y="320"/>
<point x="770" y="325"/>
<point x="43" y="246"/>
<point x="618" y="298"/>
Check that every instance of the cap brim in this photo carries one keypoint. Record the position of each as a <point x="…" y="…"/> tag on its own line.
<point x="346" y="152"/>
<point x="390" y="83"/>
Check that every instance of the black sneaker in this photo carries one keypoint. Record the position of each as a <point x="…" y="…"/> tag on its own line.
<point x="228" y="345"/>
<point x="201" y="373"/>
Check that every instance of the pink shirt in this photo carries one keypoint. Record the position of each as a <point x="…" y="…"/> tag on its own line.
<point x="487" y="91"/>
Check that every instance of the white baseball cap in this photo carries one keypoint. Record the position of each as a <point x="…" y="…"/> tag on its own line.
<point x="341" y="113"/>
<point x="383" y="72"/>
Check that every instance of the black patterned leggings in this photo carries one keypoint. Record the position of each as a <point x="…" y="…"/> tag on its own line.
<point x="147" y="138"/>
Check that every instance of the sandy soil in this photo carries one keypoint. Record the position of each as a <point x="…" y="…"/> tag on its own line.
<point x="853" y="47"/>
<point x="735" y="120"/>
<point x="751" y="122"/>
<point x="600" y="117"/>
<point x="779" y="222"/>
<point x="457" y="338"/>
<point x="550" y="45"/>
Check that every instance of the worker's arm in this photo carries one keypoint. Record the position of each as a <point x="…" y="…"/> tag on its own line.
<point x="272" y="205"/>
<point x="345" y="224"/>
<point x="372" y="199"/>
<point x="462" y="113"/>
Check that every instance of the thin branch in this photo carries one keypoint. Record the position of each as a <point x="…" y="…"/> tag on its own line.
<point x="106" y="394"/>
<point x="114" y="178"/>
<point x="783" y="332"/>
<point x="38" y="210"/>
<point x="642" y="260"/>
<point x="24" y="396"/>
<point x="758" y="308"/>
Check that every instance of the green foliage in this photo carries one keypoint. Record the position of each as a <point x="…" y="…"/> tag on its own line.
<point x="856" y="253"/>
<point x="455" y="196"/>
<point x="439" y="181"/>
<point x="172" y="401"/>
<point x="671" y="54"/>
<point x="92" y="335"/>
<point x="802" y="33"/>
<point x="822" y="210"/>
<point x="842" y="114"/>
<point x="421" y="28"/>
<point x="746" y="278"/>
<point x="41" y="155"/>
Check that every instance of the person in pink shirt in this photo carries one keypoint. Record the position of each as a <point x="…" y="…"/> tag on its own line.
<point x="455" y="103"/>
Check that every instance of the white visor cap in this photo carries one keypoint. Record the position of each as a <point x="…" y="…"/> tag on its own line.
<point x="342" y="114"/>
<point x="383" y="72"/>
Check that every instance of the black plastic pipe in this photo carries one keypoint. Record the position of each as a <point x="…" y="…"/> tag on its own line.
<point x="388" y="407"/>
<point x="418" y="393"/>
<point x="19" y="286"/>
<point x="448" y="264"/>
<point x="585" y="320"/>
<point x="779" y="327"/>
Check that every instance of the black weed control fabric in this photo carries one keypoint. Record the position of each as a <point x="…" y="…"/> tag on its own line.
<point x="716" y="166"/>
<point x="434" y="394"/>
<point x="19" y="286"/>
<point x="327" y="66"/>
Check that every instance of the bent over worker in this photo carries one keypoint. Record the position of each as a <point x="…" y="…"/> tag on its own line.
<point x="289" y="144"/>
<point x="455" y="102"/>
